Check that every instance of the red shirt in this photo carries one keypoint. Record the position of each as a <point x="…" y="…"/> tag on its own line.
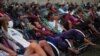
<point x="71" y="18"/>
<point x="45" y="32"/>
<point x="33" y="18"/>
<point x="2" y="13"/>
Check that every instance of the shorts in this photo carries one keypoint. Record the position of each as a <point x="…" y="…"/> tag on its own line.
<point x="58" y="42"/>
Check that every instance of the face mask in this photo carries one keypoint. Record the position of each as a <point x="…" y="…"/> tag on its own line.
<point x="10" y="24"/>
<point x="67" y="12"/>
<point x="72" y="13"/>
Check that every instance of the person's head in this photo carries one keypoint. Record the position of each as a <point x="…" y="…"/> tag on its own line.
<point x="88" y="3"/>
<point x="80" y="12"/>
<point x="36" y="6"/>
<point x="37" y="24"/>
<point x="56" y="17"/>
<point x="82" y="1"/>
<point x="24" y="4"/>
<point x="4" y="22"/>
<point x="70" y="10"/>
<point x="50" y="14"/>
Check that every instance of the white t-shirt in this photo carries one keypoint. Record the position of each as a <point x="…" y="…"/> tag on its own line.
<point x="17" y="37"/>
<point x="52" y="24"/>
<point x="61" y="10"/>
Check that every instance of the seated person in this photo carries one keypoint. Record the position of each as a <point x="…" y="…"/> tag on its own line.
<point x="53" y="9"/>
<point x="37" y="27"/>
<point x="59" y="39"/>
<point x="88" y="23"/>
<point x="42" y="30"/>
<point x="7" y="50"/>
<point x="72" y="36"/>
<point x="54" y="21"/>
<point x="31" y="48"/>
<point x="72" y="21"/>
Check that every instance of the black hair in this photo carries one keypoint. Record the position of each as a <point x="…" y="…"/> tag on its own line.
<point x="78" y="11"/>
<point x="70" y="9"/>
<point x="1" y="6"/>
<point x="50" y="14"/>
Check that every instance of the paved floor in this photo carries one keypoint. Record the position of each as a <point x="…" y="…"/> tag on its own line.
<point x="93" y="51"/>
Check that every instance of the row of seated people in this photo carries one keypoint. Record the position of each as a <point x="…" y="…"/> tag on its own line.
<point x="43" y="30"/>
<point x="15" y="36"/>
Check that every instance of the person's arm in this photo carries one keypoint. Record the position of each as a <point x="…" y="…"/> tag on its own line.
<point x="64" y="28"/>
<point x="56" y="24"/>
<point x="73" y="50"/>
<point x="70" y="24"/>
<point x="35" y="28"/>
<point x="11" y="53"/>
<point x="34" y="48"/>
<point x="94" y="29"/>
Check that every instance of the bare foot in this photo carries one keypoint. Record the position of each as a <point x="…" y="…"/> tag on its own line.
<point x="92" y="44"/>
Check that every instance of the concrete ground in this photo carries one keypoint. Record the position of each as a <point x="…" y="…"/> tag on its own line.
<point x="93" y="51"/>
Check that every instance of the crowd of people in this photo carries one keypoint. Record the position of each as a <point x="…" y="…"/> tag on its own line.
<point x="27" y="28"/>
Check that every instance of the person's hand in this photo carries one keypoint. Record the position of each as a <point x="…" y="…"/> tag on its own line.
<point x="78" y="23"/>
<point x="38" y="34"/>
<point x="12" y="53"/>
<point x="97" y="33"/>
<point x="76" y="51"/>
<point x="56" y="24"/>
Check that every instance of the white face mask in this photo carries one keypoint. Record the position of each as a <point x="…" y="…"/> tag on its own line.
<point x="10" y="24"/>
<point x="72" y="13"/>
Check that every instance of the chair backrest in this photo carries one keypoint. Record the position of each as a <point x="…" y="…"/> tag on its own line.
<point x="54" y="47"/>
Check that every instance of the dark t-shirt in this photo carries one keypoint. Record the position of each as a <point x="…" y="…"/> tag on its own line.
<point x="83" y="26"/>
<point x="97" y="23"/>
